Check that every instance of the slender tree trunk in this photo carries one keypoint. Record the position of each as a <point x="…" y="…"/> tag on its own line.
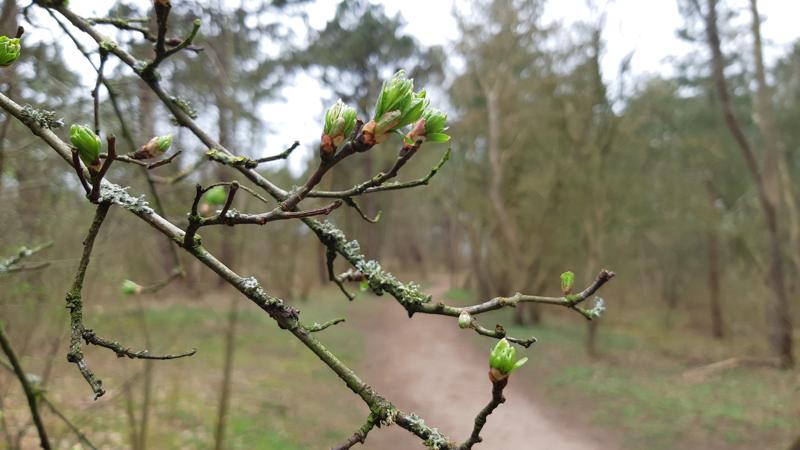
<point x="778" y="318"/>
<point x="712" y="246"/>
<point x="227" y="376"/>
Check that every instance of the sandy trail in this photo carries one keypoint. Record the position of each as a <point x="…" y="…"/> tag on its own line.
<point x="453" y="386"/>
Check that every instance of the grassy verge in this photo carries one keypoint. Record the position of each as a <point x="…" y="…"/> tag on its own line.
<point x="636" y="389"/>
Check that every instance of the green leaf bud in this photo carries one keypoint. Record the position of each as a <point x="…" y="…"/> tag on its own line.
<point x="129" y="287"/>
<point x="87" y="143"/>
<point x="396" y="94"/>
<point x="567" y="280"/>
<point x="216" y="196"/>
<point x="153" y="147"/>
<point x="435" y="121"/>
<point x="503" y="358"/>
<point x="9" y="50"/>
<point x="340" y="121"/>
<point x="164" y="143"/>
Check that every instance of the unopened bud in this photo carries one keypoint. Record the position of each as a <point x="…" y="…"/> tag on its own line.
<point x="340" y="121"/>
<point x="464" y="320"/>
<point x="216" y="196"/>
<point x="567" y="280"/>
<point x="153" y="147"/>
<point x="130" y="288"/>
<point x="9" y="50"/>
<point x="88" y="145"/>
<point x="503" y="358"/>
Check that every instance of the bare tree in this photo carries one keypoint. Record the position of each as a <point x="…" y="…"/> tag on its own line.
<point x="765" y="177"/>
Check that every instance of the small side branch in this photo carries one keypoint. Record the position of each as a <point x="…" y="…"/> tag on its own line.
<point x="359" y="436"/>
<point x="11" y="264"/>
<point x="315" y="327"/>
<point x="282" y="155"/>
<point x="352" y="203"/>
<point x="92" y="338"/>
<point x="379" y="182"/>
<point x="330" y="257"/>
<point x="148" y="165"/>
<point x="30" y="393"/>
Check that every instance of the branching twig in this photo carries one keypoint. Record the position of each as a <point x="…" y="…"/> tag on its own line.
<point x="46" y="401"/>
<point x="30" y="393"/>
<point x="352" y="203"/>
<point x="75" y="303"/>
<point x="92" y="338"/>
<point x="11" y="264"/>
<point x="126" y="24"/>
<point x="147" y="165"/>
<point x="378" y="182"/>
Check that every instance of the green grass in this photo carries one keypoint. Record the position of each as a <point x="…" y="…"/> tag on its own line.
<point x="636" y="389"/>
<point x="283" y="397"/>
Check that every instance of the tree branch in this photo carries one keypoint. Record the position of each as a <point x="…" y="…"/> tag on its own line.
<point x="480" y="419"/>
<point x="30" y="393"/>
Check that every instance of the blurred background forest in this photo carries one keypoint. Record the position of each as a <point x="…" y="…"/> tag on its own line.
<point x="558" y="163"/>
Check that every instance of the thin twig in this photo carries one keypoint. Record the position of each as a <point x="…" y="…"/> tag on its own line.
<point x="97" y="178"/>
<point x="96" y="91"/>
<point x="330" y="256"/>
<point x="352" y="203"/>
<point x="282" y="155"/>
<point x="315" y="327"/>
<point x="147" y="165"/>
<point x="359" y="436"/>
<point x="29" y="391"/>
<point x="10" y="264"/>
<point x="92" y="338"/>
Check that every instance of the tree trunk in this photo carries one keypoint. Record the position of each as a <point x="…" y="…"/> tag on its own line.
<point x="227" y="376"/>
<point x="712" y="245"/>
<point x="778" y="318"/>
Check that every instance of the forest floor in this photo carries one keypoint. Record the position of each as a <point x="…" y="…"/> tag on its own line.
<point x="431" y="367"/>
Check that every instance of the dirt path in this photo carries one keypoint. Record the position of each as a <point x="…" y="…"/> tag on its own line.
<point x="426" y="365"/>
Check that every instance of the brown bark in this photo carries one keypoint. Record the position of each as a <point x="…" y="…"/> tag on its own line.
<point x="778" y="318"/>
<point x="712" y="247"/>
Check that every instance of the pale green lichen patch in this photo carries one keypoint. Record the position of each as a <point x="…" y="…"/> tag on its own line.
<point x="41" y="117"/>
<point x="118" y="195"/>
<point x="435" y="440"/>
<point x="378" y="280"/>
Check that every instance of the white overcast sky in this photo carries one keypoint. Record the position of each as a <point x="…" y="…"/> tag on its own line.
<point x="646" y="27"/>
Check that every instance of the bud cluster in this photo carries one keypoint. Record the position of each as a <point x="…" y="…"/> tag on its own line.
<point x="397" y="106"/>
